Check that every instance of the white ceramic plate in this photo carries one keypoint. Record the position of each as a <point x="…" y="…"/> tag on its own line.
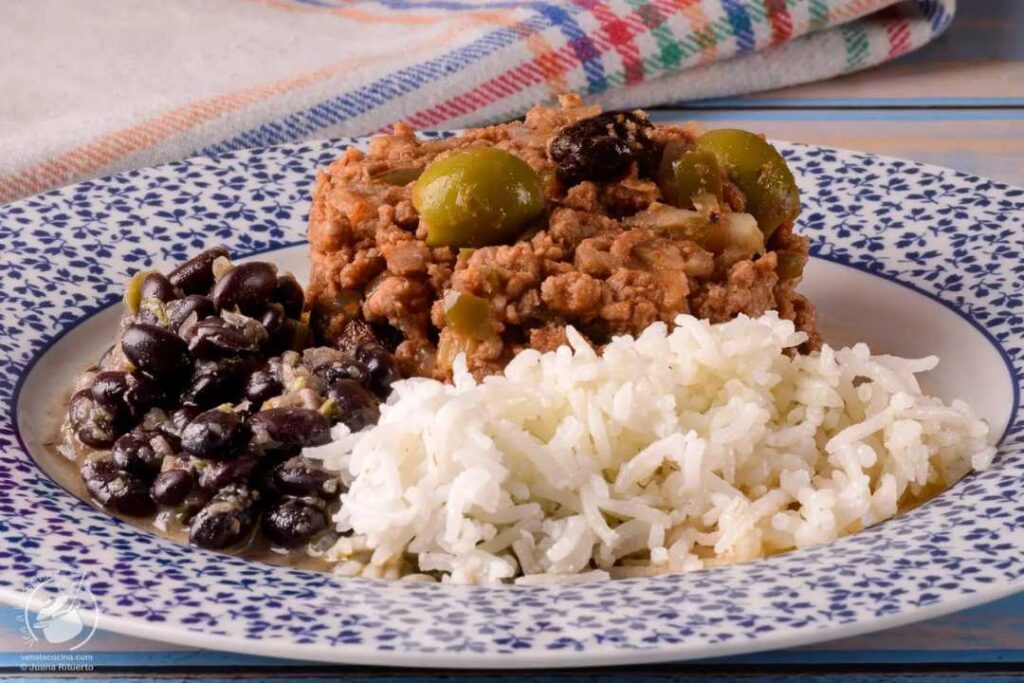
<point x="913" y="259"/>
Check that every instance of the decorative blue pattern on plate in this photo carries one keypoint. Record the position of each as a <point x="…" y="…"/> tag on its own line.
<point x="65" y="255"/>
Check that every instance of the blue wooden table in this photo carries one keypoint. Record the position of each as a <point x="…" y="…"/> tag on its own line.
<point x="958" y="102"/>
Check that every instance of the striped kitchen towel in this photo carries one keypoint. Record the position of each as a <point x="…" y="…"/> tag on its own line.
<point x="91" y="88"/>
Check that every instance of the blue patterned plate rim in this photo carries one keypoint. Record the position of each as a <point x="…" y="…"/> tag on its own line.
<point x="861" y="583"/>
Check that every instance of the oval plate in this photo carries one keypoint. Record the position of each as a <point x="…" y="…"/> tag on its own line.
<point x="954" y="242"/>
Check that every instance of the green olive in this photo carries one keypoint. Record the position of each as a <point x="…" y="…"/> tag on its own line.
<point x="468" y="315"/>
<point x="685" y="174"/>
<point x="476" y="197"/>
<point x="759" y="171"/>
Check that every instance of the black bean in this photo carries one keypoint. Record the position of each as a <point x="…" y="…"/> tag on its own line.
<point x="109" y="388"/>
<point x="226" y="520"/>
<point x="217" y="475"/>
<point x="275" y="321"/>
<point x="215" y="338"/>
<point x="289" y="429"/>
<point x="157" y="286"/>
<point x="214" y="383"/>
<point x="179" y="311"/>
<point x="171" y="487"/>
<point x="290" y="522"/>
<point x="157" y="352"/>
<point x="126" y="396"/>
<point x="215" y="435"/>
<point x="602" y="148"/>
<point x="141" y="453"/>
<point x="195" y="276"/>
<point x="353" y="404"/>
<point x="261" y="386"/>
<point x="248" y="287"/>
<point x="300" y="477"/>
<point x="177" y="420"/>
<point x="116" y="489"/>
<point x="382" y="368"/>
<point x="386" y="335"/>
<point x="329" y="373"/>
<point x="289" y="294"/>
<point x="92" y="423"/>
<point x="145" y="393"/>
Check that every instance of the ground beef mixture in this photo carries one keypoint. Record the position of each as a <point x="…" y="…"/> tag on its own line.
<point x="598" y="258"/>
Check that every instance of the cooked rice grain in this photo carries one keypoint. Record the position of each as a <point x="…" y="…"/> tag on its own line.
<point x="669" y="452"/>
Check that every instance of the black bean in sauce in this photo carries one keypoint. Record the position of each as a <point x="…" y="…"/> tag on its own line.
<point x="247" y="287"/>
<point x="145" y="393"/>
<point x="177" y="420"/>
<point x="289" y="294"/>
<point x="290" y="522"/>
<point x="275" y="322"/>
<point x="214" y="383"/>
<point x="299" y="477"/>
<point x="215" y="338"/>
<point x="215" y="435"/>
<point x="172" y="487"/>
<point x="261" y="386"/>
<point x="179" y="311"/>
<point x="195" y="276"/>
<point x="329" y="373"/>
<point x="157" y="352"/>
<point x="381" y="366"/>
<point x="225" y="520"/>
<point x="141" y="453"/>
<point x="108" y="390"/>
<point x="116" y="489"/>
<point x="289" y="429"/>
<point x="157" y="286"/>
<point x="216" y="475"/>
<point x="93" y="424"/>
<point x="353" y="404"/>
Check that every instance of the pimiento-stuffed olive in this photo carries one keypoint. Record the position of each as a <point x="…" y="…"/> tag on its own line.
<point x="759" y="171"/>
<point x="476" y="197"/>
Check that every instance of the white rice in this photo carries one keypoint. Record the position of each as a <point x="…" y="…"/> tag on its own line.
<point x="669" y="452"/>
